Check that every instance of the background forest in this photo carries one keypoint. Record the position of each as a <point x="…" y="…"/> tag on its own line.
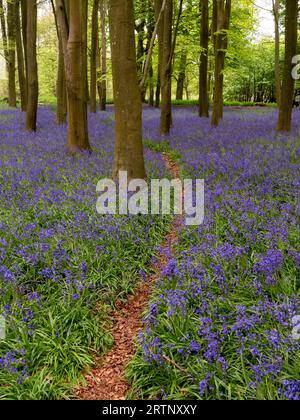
<point x="250" y="59"/>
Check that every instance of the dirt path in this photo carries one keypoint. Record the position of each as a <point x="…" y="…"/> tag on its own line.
<point x="107" y="382"/>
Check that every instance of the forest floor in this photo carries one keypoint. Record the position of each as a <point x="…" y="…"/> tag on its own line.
<point x="63" y="267"/>
<point x="107" y="381"/>
<point x="222" y="323"/>
<point x="219" y="323"/>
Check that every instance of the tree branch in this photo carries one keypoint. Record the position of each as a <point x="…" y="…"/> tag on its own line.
<point x="150" y="51"/>
<point x="176" y="32"/>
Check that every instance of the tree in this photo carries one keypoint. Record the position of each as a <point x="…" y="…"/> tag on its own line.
<point x="146" y="73"/>
<point x="74" y="42"/>
<point x="291" y="33"/>
<point x="127" y="97"/>
<point x="4" y="33"/>
<point x="159" y="6"/>
<point x="24" y="33"/>
<point x="11" y="33"/>
<point x="32" y="72"/>
<point x="222" y="11"/>
<point x="94" y="51"/>
<point x="203" y="79"/>
<point x="9" y="46"/>
<point x="150" y="31"/>
<point x="103" y="66"/>
<point x="20" y="59"/>
<point x="140" y="29"/>
<point x="61" y="88"/>
<point x="146" y="28"/>
<point x="166" y="70"/>
<point x="84" y="18"/>
<point x="276" y="10"/>
<point x="181" y="75"/>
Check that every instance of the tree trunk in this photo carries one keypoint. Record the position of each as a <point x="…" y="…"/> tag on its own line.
<point x="61" y="87"/>
<point x="140" y="29"/>
<point x="187" y="92"/>
<point x="103" y="56"/>
<point x="276" y="4"/>
<point x="76" y="76"/>
<point x="166" y="71"/>
<point x="74" y="41"/>
<point x="85" y="9"/>
<point x="4" y="33"/>
<point x="223" y="11"/>
<point x="4" y="37"/>
<point x="20" y="57"/>
<point x="181" y="76"/>
<point x="24" y="32"/>
<point x="127" y="98"/>
<point x="11" y="34"/>
<point x="214" y="27"/>
<point x="160" y="34"/>
<point x="32" y="79"/>
<point x="291" y="33"/>
<point x="203" y="79"/>
<point x="209" y="82"/>
<point x="9" y="47"/>
<point x="151" y="86"/>
<point x="94" y="49"/>
<point x="99" y="70"/>
<point x="158" y="89"/>
<point x="149" y="50"/>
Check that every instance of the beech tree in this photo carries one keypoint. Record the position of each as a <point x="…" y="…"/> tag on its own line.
<point x="127" y="96"/>
<point x="167" y="44"/>
<point x="103" y="58"/>
<point x="150" y="30"/>
<point x="61" y="88"/>
<point x="159" y="6"/>
<point x="145" y="28"/>
<point x="20" y="58"/>
<point x="140" y="30"/>
<point x="276" y="4"/>
<point x="4" y="33"/>
<point x="9" y="45"/>
<point x="94" y="52"/>
<point x="150" y="25"/>
<point x="291" y="34"/>
<point x="24" y="33"/>
<point x="32" y="71"/>
<point x="11" y="34"/>
<point x="166" y="69"/>
<point x="203" y="78"/>
<point x="74" y="43"/>
<point x="222" y="11"/>
<point x="181" y="75"/>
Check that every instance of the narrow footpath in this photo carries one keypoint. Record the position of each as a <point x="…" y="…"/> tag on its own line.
<point x="107" y="381"/>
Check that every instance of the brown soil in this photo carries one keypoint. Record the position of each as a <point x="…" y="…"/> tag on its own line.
<point x="107" y="381"/>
